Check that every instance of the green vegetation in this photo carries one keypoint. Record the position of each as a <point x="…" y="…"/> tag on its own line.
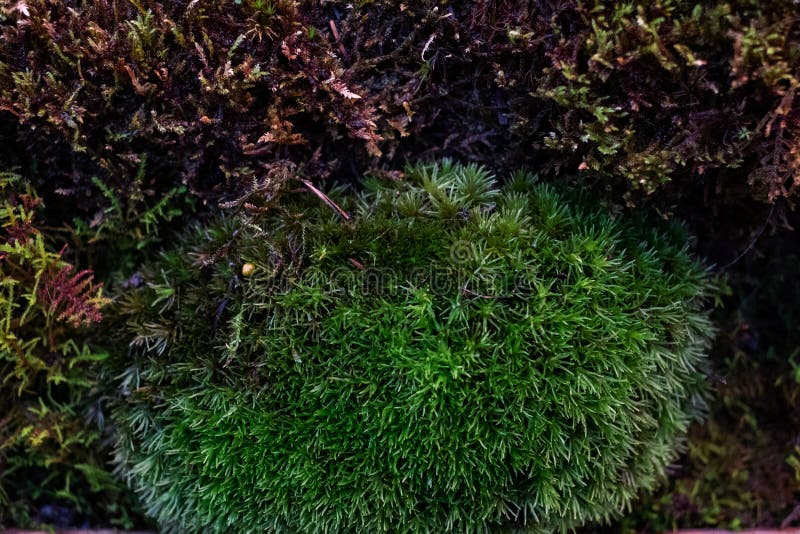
<point x="454" y="356"/>
<point x="676" y="89"/>
<point x="207" y="92"/>
<point x="51" y="419"/>
<point x="668" y="96"/>
<point x="133" y="119"/>
<point x="128" y="227"/>
<point x="741" y="467"/>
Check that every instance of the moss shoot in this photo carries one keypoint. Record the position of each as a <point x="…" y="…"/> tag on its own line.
<point x="455" y="356"/>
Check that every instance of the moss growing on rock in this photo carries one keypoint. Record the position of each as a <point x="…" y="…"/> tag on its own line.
<point x="454" y="356"/>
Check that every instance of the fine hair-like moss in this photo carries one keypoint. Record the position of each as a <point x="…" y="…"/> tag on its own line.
<point x="456" y="356"/>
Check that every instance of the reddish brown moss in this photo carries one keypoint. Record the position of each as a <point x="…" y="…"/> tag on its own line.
<point x="636" y="95"/>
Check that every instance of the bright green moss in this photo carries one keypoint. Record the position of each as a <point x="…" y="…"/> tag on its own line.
<point x="457" y="357"/>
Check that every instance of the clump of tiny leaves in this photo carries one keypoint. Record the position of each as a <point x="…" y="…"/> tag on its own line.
<point x="51" y="467"/>
<point x="452" y="356"/>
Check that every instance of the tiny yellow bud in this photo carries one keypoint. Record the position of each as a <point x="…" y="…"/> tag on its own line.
<point x="247" y="269"/>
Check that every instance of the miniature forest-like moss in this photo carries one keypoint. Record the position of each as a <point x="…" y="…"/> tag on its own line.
<point x="454" y="356"/>
<point x="162" y="168"/>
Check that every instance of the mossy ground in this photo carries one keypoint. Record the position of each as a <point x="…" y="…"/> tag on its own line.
<point x="741" y="468"/>
<point x="687" y="109"/>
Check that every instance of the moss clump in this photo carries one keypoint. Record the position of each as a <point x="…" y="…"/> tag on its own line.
<point x="673" y="96"/>
<point x="454" y="357"/>
<point x="52" y="453"/>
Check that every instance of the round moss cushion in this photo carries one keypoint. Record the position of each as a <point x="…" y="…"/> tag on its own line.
<point x="454" y="357"/>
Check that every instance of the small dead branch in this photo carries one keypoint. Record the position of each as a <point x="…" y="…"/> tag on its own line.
<point x="322" y="196"/>
<point x="427" y="45"/>
<point x="357" y="264"/>
<point x="338" y="39"/>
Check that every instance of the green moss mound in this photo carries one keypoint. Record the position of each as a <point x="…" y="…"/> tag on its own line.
<point x="456" y="356"/>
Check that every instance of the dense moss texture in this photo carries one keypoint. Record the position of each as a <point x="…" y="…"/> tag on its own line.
<point x="742" y="467"/>
<point x="52" y="466"/>
<point x="453" y="356"/>
<point x="219" y="94"/>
